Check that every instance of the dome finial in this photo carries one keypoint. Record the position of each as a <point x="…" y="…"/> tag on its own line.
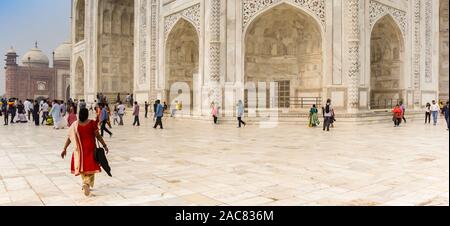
<point x="11" y="50"/>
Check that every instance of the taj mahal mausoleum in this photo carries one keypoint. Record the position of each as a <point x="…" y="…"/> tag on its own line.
<point x="364" y="55"/>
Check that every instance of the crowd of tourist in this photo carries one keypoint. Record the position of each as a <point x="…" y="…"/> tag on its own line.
<point x="432" y="111"/>
<point x="60" y="114"/>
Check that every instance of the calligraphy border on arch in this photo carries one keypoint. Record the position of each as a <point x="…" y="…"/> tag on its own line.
<point x="377" y="10"/>
<point x="253" y="7"/>
<point x="191" y="14"/>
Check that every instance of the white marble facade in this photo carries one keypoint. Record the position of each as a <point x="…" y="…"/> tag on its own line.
<point x="360" y="53"/>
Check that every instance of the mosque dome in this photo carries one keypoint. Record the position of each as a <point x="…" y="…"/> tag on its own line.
<point x="35" y="57"/>
<point x="63" y="52"/>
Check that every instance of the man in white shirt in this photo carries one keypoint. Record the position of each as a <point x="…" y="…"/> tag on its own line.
<point x="434" y="111"/>
<point x="45" y="109"/>
<point x="28" y="108"/>
<point x="121" y="112"/>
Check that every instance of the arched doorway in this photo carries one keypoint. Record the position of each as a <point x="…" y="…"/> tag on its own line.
<point x="387" y="53"/>
<point x="181" y="62"/>
<point x="80" y="20"/>
<point x="116" y="47"/>
<point x="79" y="79"/>
<point x="41" y="98"/>
<point x="284" y="45"/>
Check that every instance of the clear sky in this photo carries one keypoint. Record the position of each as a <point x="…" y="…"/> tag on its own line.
<point x="22" y="22"/>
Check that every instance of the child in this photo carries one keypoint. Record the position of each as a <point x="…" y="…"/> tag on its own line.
<point x="428" y="113"/>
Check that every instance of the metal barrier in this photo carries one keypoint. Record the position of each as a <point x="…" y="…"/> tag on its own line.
<point x="384" y="104"/>
<point x="305" y="102"/>
<point x="294" y="102"/>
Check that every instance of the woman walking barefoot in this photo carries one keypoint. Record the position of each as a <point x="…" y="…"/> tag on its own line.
<point x="83" y="134"/>
<point x="240" y="113"/>
<point x="313" y="117"/>
<point x="214" y="112"/>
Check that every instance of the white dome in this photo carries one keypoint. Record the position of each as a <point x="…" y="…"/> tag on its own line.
<point x="35" y="57"/>
<point x="64" y="51"/>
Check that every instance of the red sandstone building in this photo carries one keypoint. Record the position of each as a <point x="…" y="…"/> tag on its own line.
<point x="34" y="78"/>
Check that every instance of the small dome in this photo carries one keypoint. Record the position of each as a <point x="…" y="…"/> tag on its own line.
<point x="11" y="51"/>
<point x="35" y="57"/>
<point x="64" y="51"/>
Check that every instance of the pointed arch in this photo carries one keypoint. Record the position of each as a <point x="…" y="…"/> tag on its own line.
<point x="80" y="15"/>
<point x="182" y="56"/>
<point x="304" y="10"/>
<point x="391" y="17"/>
<point x="392" y="21"/>
<point x="284" y="44"/>
<point x="179" y="19"/>
<point x="79" y="78"/>
<point x="387" y="80"/>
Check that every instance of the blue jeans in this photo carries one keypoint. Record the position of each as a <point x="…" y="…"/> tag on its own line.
<point x="435" y="114"/>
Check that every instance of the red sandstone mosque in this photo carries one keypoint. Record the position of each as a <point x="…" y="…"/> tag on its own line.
<point x="34" y="78"/>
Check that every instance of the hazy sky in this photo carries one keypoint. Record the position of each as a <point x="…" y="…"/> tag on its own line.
<point x="22" y="22"/>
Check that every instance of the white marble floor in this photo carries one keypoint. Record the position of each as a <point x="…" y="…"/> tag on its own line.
<point x="197" y="163"/>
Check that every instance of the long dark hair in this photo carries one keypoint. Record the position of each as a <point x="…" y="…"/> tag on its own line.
<point x="84" y="115"/>
<point x="327" y="108"/>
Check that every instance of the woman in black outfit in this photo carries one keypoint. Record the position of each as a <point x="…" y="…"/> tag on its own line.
<point x="36" y="112"/>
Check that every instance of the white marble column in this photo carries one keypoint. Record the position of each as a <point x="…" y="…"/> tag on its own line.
<point x="354" y="69"/>
<point x="416" y="55"/>
<point x="141" y="69"/>
<point x="91" y="62"/>
<point x="214" y="52"/>
<point x="154" y="49"/>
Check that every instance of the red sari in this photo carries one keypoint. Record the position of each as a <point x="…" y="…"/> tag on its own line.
<point x="88" y="165"/>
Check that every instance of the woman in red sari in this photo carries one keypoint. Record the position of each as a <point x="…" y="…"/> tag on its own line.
<point x="83" y="133"/>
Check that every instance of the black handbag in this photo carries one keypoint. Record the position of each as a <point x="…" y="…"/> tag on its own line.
<point x="100" y="158"/>
<point x="98" y="150"/>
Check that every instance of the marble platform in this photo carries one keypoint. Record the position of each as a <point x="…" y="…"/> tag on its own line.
<point x="198" y="163"/>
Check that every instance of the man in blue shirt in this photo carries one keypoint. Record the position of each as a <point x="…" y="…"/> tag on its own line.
<point x="104" y="120"/>
<point x="159" y="114"/>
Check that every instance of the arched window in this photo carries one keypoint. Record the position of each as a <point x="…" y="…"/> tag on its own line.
<point x="116" y="23"/>
<point x="125" y="20"/>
